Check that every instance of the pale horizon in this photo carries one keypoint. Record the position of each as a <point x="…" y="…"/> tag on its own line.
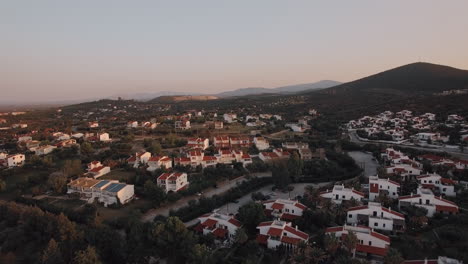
<point x="65" y="51"/>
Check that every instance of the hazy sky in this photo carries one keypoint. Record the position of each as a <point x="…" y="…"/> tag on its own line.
<point x="54" y="50"/>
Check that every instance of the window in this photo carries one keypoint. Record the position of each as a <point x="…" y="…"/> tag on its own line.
<point x="350" y="216"/>
<point x="383" y="225"/>
<point x="292" y="211"/>
<point x="370" y="243"/>
<point x="376" y="224"/>
<point x="344" y="196"/>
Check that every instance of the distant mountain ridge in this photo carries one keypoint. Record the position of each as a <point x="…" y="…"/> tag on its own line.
<point x="279" y="90"/>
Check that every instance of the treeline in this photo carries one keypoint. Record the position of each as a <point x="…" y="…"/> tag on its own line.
<point x="204" y="205"/>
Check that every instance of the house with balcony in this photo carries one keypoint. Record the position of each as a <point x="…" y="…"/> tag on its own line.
<point x="198" y="143"/>
<point x="436" y="182"/>
<point x="159" y="162"/>
<point x="339" y="194"/>
<point x="173" y="182"/>
<point x="283" y="209"/>
<point x="369" y="241"/>
<point x="275" y="234"/>
<point x="223" y="227"/>
<point x="383" y="187"/>
<point x="425" y="198"/>
<point x="375" y="216"/>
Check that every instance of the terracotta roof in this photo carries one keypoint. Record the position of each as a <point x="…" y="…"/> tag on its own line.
<point x="209" y="222"/>
<point x="220" y="232"/>
<point x="235" y="222"/>
<point x="290" y="240"/>
<point x="443" y="208"/>
<point x="334" y="229"/>
<point x="262" y="239"/>
<point x="277" y="206"/>
<point x="358" y="208"/>
<point x="371" y="250"/>
<point x="286" y="216"/>
<point x="380" y="236"/>
<point x="296" y="232"/>
<point x="265" y="223"/>
<point x="275" y="232"/>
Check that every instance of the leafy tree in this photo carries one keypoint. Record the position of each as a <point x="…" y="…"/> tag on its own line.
<point x="155" y="193"/>
<point x="280" y="176"/>
<point x="58" y="182"/>
<point x="86" y="148"/>
<point x="240" y="237"/>
<point x="51" y="254"/>
<point x="155" y="148"/>
<point x="72" y="168"/>
<point x="200" y="254"/>
<point x="87" y="256"/>
<point x="350" y="241"/>
<point x="251" y="215"/>
<point x="331" y="243"/>
<point x="295" y="166"/>
<point x="393" y="257"/>
<point x="2" y="185"/>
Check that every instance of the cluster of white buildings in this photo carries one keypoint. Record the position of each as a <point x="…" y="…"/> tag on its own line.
<point x="105" y="191"/>
<point x="144" y="124"/>
<point x="196" y="158"/>
<point x="152" y="162"/>
<point x="396" y="125"/>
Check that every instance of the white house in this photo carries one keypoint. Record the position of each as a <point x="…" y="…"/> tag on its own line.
<point x="132" y="124"/>
<point x="182" y="124"/>
<point x="201" y="143"/>
<point x="369" y="241"/>
<point x="158" y="162"/>
<point x="96" y="169"/>
<point x="229" y="117"/>
<point x="276" y="233"/>
<point x="261" y="143"/>
<point x="103" y="137"/>
<point x="15" y="160"/>
<point x="106" y="191"/>
<point x="339" y="194"/>
<point x="435" y="181"/>
<point x="295" y="145"/>
<point x="403" y="170"/>
<point x="375" y="216"/>
<point x="284" y="209"/>
<point x="222" y="226"/>
<point x="44" y="150"/>
<point x="242" y="157"/>
<point x="221" y="141"/>
<point x="385" y="187"/>
<point x="140" y="158"/>
<point x="425" y="198"/>
<point x="93" y="124"/>
<point x="174" y="181"/>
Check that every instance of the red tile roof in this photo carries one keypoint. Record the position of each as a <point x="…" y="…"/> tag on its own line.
<point x="296" y="232"/>
<point x="209" y="222"/>
<point x="277" y="206"/>
<point x="220" y="232"/>
<point x="290" y="240"/>
<point x="372" y="250"/>
<point x="275" y="232"/>
<point x="235" y="222"/>
<point x="262" y="239"/>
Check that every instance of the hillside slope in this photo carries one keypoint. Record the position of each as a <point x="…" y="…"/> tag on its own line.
<point x="408" y="79"/>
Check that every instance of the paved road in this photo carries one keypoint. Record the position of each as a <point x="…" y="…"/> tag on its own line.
<point x="232" y="208"/>
<point x="222" y="187"/>
<point x="454" y="152"/>
<point x="366" y="161"/>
